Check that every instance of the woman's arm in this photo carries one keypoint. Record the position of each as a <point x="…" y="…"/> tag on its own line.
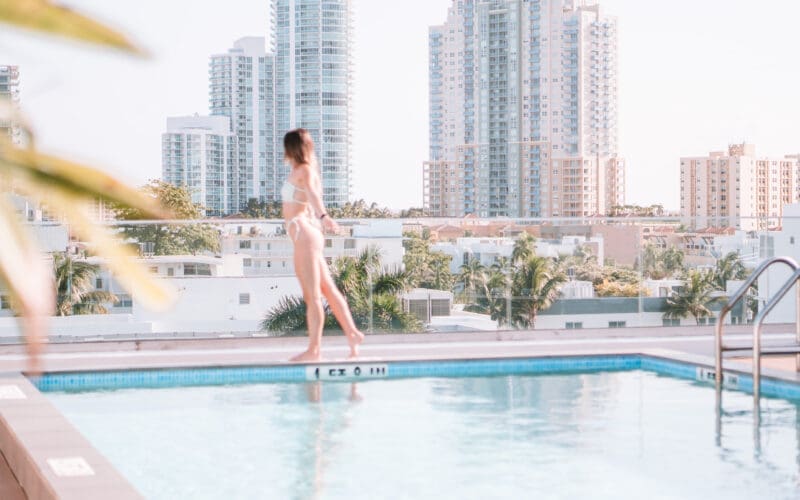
<point x="314" y="184"/>
<point x="314" y="188"/>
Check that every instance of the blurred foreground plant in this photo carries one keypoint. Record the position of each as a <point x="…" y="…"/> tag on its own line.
<point x="64" y="187"/>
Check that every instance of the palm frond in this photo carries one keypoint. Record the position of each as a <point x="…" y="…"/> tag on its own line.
<point x="392" y="281"/>
<point x="47" y="17"/>
<point x="288" y="316"/>
<point x="44" y="173"/>
<point x="24" y="272"/>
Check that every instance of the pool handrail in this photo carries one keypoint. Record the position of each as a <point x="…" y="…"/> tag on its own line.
<point x="736" y="297"/>
<point x="759" y="321"/>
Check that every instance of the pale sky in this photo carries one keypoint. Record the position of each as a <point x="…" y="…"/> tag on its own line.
<point x="693" y="77"/>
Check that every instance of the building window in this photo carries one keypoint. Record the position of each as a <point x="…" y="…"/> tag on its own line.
<point x="153" y="269"/>
<point x="616" y="324"/>
<point x="192" y="269"/>
<point x="5" y="303"/>
<point x="170" y="271"/>
<point x="349" y="244"/>
<point x="574" y="325"/>
<point x="98" y="283"/>
<point x="244" y="299"/>
<point x="328" y="243"/>
<point x="124" y="301"/>
<point x="245" y="243"/>
<point x="247" y="262"/>
<point x="671" y="322"/>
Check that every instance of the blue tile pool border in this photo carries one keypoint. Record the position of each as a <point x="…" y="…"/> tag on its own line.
<point x="204" y="376"/>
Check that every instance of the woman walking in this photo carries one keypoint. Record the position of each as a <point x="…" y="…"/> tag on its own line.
<point x="305" y="217"/>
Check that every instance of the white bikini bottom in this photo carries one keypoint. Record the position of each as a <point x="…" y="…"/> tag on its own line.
<point x="294" y="222"/>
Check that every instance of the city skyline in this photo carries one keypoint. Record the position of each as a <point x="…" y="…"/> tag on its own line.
<point x="523" y="111"/>
<point x="299" y="76"/>
<point x="687" y="85"/>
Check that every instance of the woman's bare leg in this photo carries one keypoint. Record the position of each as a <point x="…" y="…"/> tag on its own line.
<point x="306" y="256"/>
<point x="340" y="309"/>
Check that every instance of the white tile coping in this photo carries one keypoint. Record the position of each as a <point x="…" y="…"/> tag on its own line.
<point x="70" y="467"/>
<point x="11" y="392"/>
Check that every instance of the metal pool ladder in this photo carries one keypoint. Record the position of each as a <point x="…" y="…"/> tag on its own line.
<point x="756" y="348"/>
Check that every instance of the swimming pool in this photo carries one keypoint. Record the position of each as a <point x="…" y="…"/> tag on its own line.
<point x="546" y="428"/>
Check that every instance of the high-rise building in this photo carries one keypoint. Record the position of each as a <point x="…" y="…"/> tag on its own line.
<point x="9" y="90"/>
<point x="314" y="73"/>
<point x="523" y="110"/>
<point x="200" y="153"/>
<point x="300" y="76"/>
<point x="737" y="189"/>
<point x="242" y="87"/>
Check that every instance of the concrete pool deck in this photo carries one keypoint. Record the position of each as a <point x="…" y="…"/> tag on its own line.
<point x="49" y="458"/>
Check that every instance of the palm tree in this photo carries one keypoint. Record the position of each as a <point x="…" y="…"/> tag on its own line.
<point x="524" y="247"/>
<point x="650" y="264"/>
<point x="472" y="276"/>
<point x="672" y="261"/>
<point x="440" y="276"/>
<point x="372" y="292"/>
<point x="535" y="288"/>
<point x="290" y="316"/>
<point x="75" y="292"/>
<point x="694" y="299"/>
<point x="729" y="267"/>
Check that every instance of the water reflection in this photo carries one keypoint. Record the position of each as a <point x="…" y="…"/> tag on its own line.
<point x="767" y="421"/>
<point x="544" y="408"/>
<point x="329" y="418"/>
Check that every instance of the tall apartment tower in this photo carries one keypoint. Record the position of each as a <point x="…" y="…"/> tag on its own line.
<point x="201" y="153"/>
<point x="314" y="81"/>
<point x="737" y="189"/>
<point x="523" y="111"/>
<point x="9" y="89"/>
<point x="242" y="88"/>
<point x="299" y="76"/>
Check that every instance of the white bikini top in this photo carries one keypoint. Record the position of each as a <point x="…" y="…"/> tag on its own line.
<point x="289" y="191"/>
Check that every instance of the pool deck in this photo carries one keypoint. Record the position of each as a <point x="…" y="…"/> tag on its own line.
<point x="48" y="458"/>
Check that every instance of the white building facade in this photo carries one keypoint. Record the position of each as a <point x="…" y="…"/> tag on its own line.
<point x="785" y="242"/>
<point x="300" y="75"/>
<point x="523" y="111"/>
<point x="9" y="89"/>
<point x="199" y="152"/>
<point x="489" y="251"/>
<point x="242" y="88"/>
<point x="267" y="251"/>
<point x="314" y="83"/>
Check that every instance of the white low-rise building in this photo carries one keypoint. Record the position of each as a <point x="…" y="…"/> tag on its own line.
<point x="212" y="295"/>
<point x="227" y="293"/>
<point x="267" y="250"/>
<point x="785" y="242"/>
<point x="488" y="251"/>
<point x="662" y="288"/>
<point x="577" y="290"/>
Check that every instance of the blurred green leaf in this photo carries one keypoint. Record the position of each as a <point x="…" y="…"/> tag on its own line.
<point x="24" y="272"/>
<point x="46" y="17"/>
<point x="73" y="179"/>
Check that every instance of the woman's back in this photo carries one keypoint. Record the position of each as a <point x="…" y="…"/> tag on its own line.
<point x="294" y="192"/>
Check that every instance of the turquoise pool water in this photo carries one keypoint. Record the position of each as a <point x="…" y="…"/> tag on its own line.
<point x="622" y="434"/>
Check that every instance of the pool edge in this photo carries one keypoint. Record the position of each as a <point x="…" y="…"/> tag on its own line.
<point x="30" y="455"/>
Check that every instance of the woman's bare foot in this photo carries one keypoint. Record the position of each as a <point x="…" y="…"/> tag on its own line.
<point x="307" y="355"/>
<point x="354" y="338"/>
